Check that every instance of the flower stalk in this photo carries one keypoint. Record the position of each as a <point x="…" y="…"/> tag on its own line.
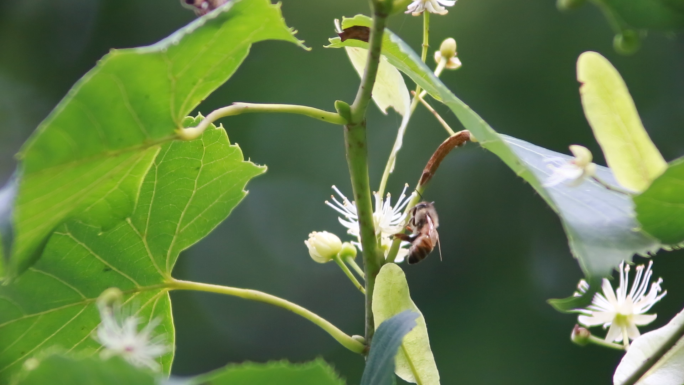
<point x="349" y="274"/>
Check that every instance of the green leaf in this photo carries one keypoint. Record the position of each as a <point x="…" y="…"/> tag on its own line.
<point x="669" y="370"/>
<point x="598" y="255"/>
<point x="660" y="209"/>
<point x="391" y="297"/>
<point x="61" y="369"/>
<point x="613" y="117"/>
<point x="386" y="341"/>
<point x="275" y="373"/>
<point x="87" y="159"/>
<point x="65" y="369"/>
<point x="191" y="187"/>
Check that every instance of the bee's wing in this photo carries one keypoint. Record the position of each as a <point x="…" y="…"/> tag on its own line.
<point x="434" y="234"/>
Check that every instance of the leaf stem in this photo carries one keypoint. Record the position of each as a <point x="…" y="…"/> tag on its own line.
<point x="349" y="274"/>
<point x="436" y="114"/>
<point x="246" y="108"/>
<point x="357" y="159"/>
<point x="254" y="295"/>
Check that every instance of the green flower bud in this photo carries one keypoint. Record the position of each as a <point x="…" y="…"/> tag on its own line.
<point x="323" y="246"/>
<point x="348" y="251"/>
<point x="448" y="48"/>
<point x="580" y="335"/>
<point x="447" y="51"/>
<point x="627" y="42"/>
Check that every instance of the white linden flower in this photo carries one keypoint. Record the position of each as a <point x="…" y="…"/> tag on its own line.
<point x="388" y="219"/>
<point x="120" y="337"/>
<point x="574" y="171"/>
<point x="323" y="246"/>
<point x="432" y="6"/>
<point x="620" y="310"/>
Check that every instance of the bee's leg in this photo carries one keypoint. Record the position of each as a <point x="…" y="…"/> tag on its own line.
<point x="406" y="237"/>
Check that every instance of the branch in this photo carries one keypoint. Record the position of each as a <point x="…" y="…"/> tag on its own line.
<point x="246" y="108"/>
<point x="357" y="159"/>
<point x="254" y="295"/>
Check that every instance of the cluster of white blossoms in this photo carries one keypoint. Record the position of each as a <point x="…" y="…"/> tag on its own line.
<point x="417" y="7"/>
<point x="571" y="172"/>
<point x="623" y="309"/>
<point x="119" y="335"/>
<point x="388" y="220"/>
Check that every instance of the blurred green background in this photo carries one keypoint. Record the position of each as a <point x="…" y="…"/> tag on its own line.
<point x="504" y="250"/>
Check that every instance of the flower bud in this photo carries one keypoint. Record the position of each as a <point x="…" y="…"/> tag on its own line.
<point x="348" y="251"/>
<point x="448" y="48"/>
<point x="323" y="246"/>
<point x="627" y="42"/>
<point x="580" y="335"/>
<point x="448" y="51"/>
<point x="582" y="155"/>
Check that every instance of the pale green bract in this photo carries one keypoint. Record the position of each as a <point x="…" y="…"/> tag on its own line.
<point x="611" y="112"/>
<point x="391" y="297"/>
<point x="87" y="159"/>
<point x="669" y="370"/>
<point x="191" y="187"/>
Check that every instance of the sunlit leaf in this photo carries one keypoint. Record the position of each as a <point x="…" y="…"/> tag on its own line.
<point x="274" y="373"/>
<point x="87" y="159"/>
<point x="613" y="117"/>
<point x="391" y="297"/>
<point x="386" y="342"/>
<point x="597" y="256"/>
<point x="191" y="187"/>
<point x="660" y="209"/>
<point x="62" y="370"/>
<point x="669" y="370"/>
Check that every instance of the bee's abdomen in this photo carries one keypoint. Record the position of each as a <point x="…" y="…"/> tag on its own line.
<point x="420" y="249"/>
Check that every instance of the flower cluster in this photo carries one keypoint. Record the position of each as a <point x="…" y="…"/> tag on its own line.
<point x="119" y="334"/>
<point x="388" y="220"/>
<point x="622" y="310"/>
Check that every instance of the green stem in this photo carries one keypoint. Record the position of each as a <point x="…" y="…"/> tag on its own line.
<point x="246" y="108"/>
<point x="426" y="36"/>
<point x="351" y="262"/>
<point x="437" y="116"/>
<point x="357" y="159"/>
<point x="602" y="342"/>
<point x="349" y="274"/>
<point x="253" y="295"/>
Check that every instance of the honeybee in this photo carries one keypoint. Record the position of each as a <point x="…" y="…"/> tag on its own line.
<point x="202" y="7"/>
<point x="423" y="224"/>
